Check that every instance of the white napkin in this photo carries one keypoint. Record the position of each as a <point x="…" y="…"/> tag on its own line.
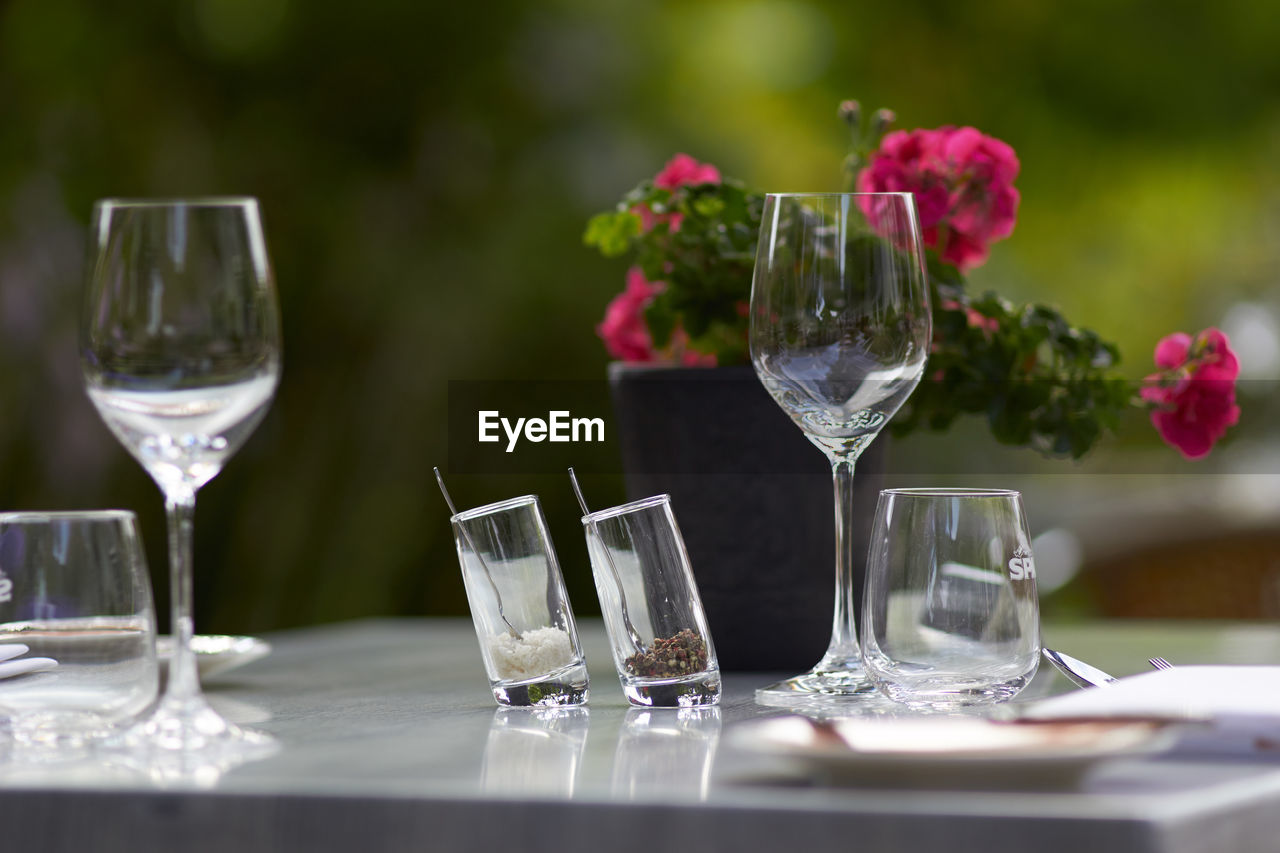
<point x="1240" y="705"/>
<point x="22" y="666"/>
<point x="11" y="667"/>
<point x="12" y="650"/>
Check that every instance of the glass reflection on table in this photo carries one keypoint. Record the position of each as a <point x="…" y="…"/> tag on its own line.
<point x="534" y="751"/>
<point x="666" y="751"/>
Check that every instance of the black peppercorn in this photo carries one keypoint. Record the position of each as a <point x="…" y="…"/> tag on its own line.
<point x="683" y="653"/>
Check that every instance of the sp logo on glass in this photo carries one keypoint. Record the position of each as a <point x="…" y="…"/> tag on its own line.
<point x="1021" y="565"/>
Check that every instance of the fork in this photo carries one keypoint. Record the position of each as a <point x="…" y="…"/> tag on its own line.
<point x="1160" y="663"/>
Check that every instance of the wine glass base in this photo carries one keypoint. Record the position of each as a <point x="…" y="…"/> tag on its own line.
<point x="186" y="742"/>
<point x="820" y="685"/>
<point x="192" y="726"/>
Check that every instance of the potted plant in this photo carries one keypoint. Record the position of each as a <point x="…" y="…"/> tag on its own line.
<point x="695" y="423"/>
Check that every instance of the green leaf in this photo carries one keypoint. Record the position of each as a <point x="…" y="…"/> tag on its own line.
<point x="611" y="233"/>
<point x="942" y="273"/>
<point x="661" y="319"/>
<point x="708" y="206"/>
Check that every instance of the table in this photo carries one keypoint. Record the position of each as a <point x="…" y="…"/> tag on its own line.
<point x="391" y="741"/>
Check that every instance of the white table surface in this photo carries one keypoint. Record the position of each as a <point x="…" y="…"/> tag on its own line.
<point x="391" y="740"/>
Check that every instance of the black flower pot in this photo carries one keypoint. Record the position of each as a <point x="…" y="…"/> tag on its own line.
<point x="754" y="501"/>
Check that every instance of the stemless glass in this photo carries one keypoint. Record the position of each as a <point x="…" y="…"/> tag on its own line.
<point x="180" y="352"/>
<point x="653" y="615"/>
<point x="74" y="594"/>
<point x="951" y="616"/>
<point x="524" y="622"/>
<point x="840" y="329"/>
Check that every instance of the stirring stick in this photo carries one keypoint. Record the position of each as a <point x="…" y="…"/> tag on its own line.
<point x="474" y="550"/>
<point x="608" y="555"/>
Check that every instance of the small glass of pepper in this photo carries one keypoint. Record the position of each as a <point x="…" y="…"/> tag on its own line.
<point x="661" y="646"/>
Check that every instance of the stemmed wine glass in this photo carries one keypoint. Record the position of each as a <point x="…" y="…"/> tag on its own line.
<point x="840" y="329"/>
<point x="180" y="353"/>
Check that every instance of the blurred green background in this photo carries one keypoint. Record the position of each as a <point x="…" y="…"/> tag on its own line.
<point x="425" y="172"/>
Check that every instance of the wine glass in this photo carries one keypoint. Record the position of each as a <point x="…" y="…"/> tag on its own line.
<point x="840" y="329"/>
<point x="180" y="353"/>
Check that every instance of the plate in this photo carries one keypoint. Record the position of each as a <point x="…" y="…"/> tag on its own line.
<point x="216" y="653"/>
<point x="949" y="752"/>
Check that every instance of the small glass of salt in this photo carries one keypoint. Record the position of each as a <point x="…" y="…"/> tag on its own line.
<point x="521" y="611"/>
<point x="652" y="612"/>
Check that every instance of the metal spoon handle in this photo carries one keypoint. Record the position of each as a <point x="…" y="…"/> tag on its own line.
<point x="632" y="633"/>
<point x="474" y="550"/>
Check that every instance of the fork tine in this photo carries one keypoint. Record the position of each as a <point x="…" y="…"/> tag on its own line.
<point x="1160" y="663"/>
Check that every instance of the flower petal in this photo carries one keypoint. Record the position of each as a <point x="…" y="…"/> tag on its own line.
<point x="1171" y="351"/>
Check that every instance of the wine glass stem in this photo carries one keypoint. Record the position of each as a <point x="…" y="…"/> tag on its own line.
<point x="844" y="636"/>
<point x="184" y="683"/>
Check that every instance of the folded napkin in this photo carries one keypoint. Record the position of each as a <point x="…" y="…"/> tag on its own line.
<point x="1239" y="706"/>
<point x="12" y="650"/>
<point x="10" y="668"/>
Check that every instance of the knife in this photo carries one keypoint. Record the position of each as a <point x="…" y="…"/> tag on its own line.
<point x="1080" y="673"/>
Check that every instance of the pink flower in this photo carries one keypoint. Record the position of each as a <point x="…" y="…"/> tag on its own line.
<point x="1194" y="394"/>
<point x="623" y="330"/>
<point x="963" y="185"/>
<point x="681" y="170"/>
<point x="975" y="318"/>
<point x="681" y="352"/>
<point x="649" y="219"/>
<point x="626" y="336"/>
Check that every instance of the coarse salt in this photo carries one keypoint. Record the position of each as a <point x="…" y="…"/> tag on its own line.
<point x="538" y="652"/>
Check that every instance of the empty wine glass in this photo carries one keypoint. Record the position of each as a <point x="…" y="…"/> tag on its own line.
<point x="180" y="352"/>
<point x="840" y="329"/>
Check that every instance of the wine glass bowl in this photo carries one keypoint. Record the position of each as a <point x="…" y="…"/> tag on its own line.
<point x="180" y="340"/>
<point x="840" y="328"/>
<point x="184" y="437"/>
<point x="180" y="355"/>
<point x="840" y="331"/>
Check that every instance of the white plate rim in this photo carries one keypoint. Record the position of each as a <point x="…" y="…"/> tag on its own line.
<point x="239" y="650"/>
<point x="767" y="737"/>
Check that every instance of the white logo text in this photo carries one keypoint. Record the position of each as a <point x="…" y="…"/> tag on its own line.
<point x="559" y="426"/>
<point x="1022" y="566"/>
